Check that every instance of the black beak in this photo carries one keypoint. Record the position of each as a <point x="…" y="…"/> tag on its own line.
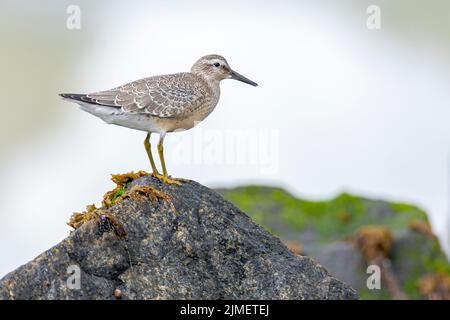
<point x="239" y="77"/>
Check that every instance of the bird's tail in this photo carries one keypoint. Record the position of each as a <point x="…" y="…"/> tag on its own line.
<point x="75" y="97"/>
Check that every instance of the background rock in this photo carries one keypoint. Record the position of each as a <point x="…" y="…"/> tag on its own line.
<point x="323" y="230"/>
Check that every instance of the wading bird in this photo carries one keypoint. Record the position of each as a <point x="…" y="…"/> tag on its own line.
<point x="162" y="104"/>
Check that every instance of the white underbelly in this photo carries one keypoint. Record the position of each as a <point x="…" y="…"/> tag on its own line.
<point x="116" y="116"/>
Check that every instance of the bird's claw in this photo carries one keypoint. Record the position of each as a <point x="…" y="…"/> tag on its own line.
<point x="168" y="180"/>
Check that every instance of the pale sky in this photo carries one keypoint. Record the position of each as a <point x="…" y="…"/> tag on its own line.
<point x="338" y="108"/>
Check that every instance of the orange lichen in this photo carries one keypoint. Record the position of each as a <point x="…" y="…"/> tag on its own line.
<point x="101" y="215"/>
<point x="121" y="181"/>
<point x="294" y="246"/>
<point x="114" y="197"/>
<point x="421" y="227"/>
<point x="435" y="286"/>
<point x="373" y="241"/>
<point x="142" y="193"/>
<point x="78" y="219"/>
<point x="344" y="216"/>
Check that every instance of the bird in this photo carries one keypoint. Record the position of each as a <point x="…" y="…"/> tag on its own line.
<point x="162" y="104"/>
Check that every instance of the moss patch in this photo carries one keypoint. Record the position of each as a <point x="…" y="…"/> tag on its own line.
<point x="122" y="182"/>
<point x="333" y="219"/>
<point x="114" y="197"/>
<point x="78" y="219"/>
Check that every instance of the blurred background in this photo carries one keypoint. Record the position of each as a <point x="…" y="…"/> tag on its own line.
<point x="340" y="109"/>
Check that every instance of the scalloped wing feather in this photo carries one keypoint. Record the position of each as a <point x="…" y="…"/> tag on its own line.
<point x="164" y="96"/>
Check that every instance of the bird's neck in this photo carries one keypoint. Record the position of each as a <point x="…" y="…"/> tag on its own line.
<point x="212" y="83"/>
<point x="215" y="88"/>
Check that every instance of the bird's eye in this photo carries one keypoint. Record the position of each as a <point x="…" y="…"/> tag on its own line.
<point x="217" y="64"/>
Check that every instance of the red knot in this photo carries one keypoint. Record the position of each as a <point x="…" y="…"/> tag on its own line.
<point x="162" y="104"/>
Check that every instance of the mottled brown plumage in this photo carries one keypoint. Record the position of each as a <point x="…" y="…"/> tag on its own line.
<point x="166" y="96"/>
<point x="163" y="103"/>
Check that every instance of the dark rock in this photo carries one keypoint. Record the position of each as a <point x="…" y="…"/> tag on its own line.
<point x="343" y="261"/>
<point x="196" y="246"/>
<point x="411" y="253"/>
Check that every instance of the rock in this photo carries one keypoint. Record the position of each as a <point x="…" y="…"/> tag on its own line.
<point x="322" y="229"/>
<point x="342" y="260"/>
<point x="182" y="242"/>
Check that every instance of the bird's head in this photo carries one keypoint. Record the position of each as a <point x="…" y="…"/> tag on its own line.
<point x="215" y="68"/>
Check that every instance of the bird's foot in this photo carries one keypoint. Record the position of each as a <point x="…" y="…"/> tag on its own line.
<point x="168" y="180"/>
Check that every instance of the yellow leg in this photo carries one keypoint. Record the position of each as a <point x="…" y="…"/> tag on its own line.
<point x="148" y="149"/>
<point x="165" y="177"/>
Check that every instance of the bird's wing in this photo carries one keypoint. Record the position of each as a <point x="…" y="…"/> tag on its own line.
<point x="161" y="96"/>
